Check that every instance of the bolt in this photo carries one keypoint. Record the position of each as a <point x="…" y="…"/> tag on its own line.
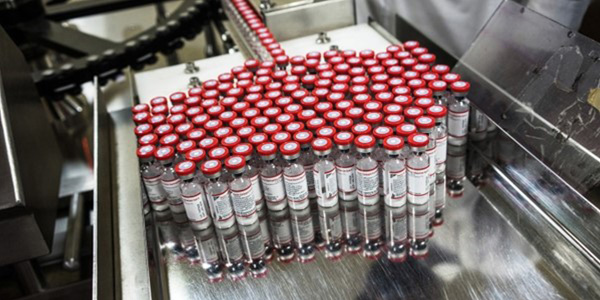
<point x="334" y="48"/>
<point x="322" y="38"/>
<point x="194" y="82"/>
<point x="190" y="68"/>
<point x="265" y="4"/>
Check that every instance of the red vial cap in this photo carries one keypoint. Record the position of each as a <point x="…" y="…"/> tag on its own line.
<point x="366" y="54"/>
<point x="382" y="56"/>
<point x="281" y="137"/>
<point x="437" y="111"/>
<point x="219" y="153"/>
<point x="284" y="119"/>
<point x="393" y="143"/>
<point x="196" y="134"/>
<point x="148" y="139"/>
<point x="373" y="106"/>
<point x="354" y="113"/>
<point x="390" y="62"/>
<point x="339" y="88"/>
<point x="374" y="70"/>
<point x="246" y="132"/>
<point x="297" y="95"/>
<point x="344" y="105"/>
<point x="326" y="131"/>
<point x="185" y="168"/>
<point x="393" y="120"/>
<point x="381" y="132"/>
<point x="237" y="70"/>
<point x="176" y="119"/>
<point x="156" y="120"/>
<point x="359" y="89"/>
<point x="293" y="108"/>
<point x="336" y="60"/>
<point x="343" y="138"/>
<point x="297" y="60"/>
<point x="252" y="64"/>
<point x="425" y="122"/>
<point x="210" y="84"/>
<point x="251" y="113"/>
<point x="299" y="71"/>
<point x="226" y="77"/>
<point x="259" y="122"/>
<point x="263" y="80"/>
<point x="323" y="107"/>
<point x="306" y="115"/>
<point x="450" y="78"/>
<point x="395" y="71"/>
<point x="146" y="151"/>
<point x="277" y="52"/>
<point x="421" y="68"/>
<point x="213" y="125"/>
<point x="415" y="84"/>
<point x="200" y="120"/>
<point x="184" y="146"/>
<point x="322" y="143"/>
<point x="170" y="139"/>
<point x="360" y="80"/>
<point x="223" y="132"/>
<point x="211" y="167"/>
<point x="272" y="129"/>
<point x="357" y="71"/>
<point x="303" y="137"/>
<point x="227" y="116"/>
<point x="258" y="138"/>
<point x="406" y="129"/>
<point x="164" y="129"/>
<point x="354" y="62"/>
<point x="368" y="63"/>
<point x="341" y="68"/>
<point x="272" y="112"/>
<point x="243" y="149"/>
<point x="364" y="141"/>
<point x="427" y="58"/>
<point x="267" y="149"/>
<point x="290" y="148"/>
<point x="413" y="112"/>
<point x="323" y="67"/>
<point x="313" y="55"/>
<point x="311" y="64"/>
<point x="160" y="110"/>
<point x="361" y="128"/>
<point x="238" y="123"/>
<point x="418" y="51"/>
<point x="332" y="115"/>
<point x="140" y="108"/>
<point x="309" y="80"/>
<point x="418" y="140"/>
<point x="263" y="104"/>
<point x="438" y="85"/>
<point x="361" y="99"/>
<point x="401" y="90"/>
<point x="392" y="109"/>
<point x="158" y="101"/>
<point x="424" y="103"/>
<point x="422" y="93"/>
<point x="192" y="101"/>
<point x="178" y="109"/>
<point x="208" y="143"/>
<point x="164" y="153"/>
<point x="384" y="97"/>
<point x="373" y="117"/>
<point x="177" y="98"/>
<point x="315" y="123"/>
<point x="143" y="129"/>
<point x="195" y="155"/>
<point x="235" y="162"/>
<point x="283" y="101"/>
<point x="403" y="100"/>
<point x="394" y="48"/>
<point x="343" y="124"/>
<point x="294" y="127"/>
<point x="195" y="92"/>
<point x="409" y="45"/>
<point x="440" y="69"/>
<point x="460" y="87"/>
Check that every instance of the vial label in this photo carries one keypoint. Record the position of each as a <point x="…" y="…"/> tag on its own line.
<point x="432" y="165"/>
<point x="256" y="190"/>
<point x="458" y="123"/>
<point x="222" y="209"/>
<point x="371" y="226"/>
<point x="456" y="166"/>
<point x="274" y="189"/>
<point x="264" y="230"/>
<point x="440" y="193"/>
<point x="254" y="247"/>
<point x="244" y="205"/>
<point x="232" y="249"/>
<point x="481" y="121"/>
<point x="442" y="148"/>
<point x="173" y="190"/>
<point x="156" y="193"/>
<point x="367" y="182"/>
<point x="282" y="232"/>
<point x="350" y="221"/>
<point x="346" y="179"/>
<point x="296" y="190"/>
<point x="303" y="230"/>
<point x="326" y="188"/>
<point x="397" y="227"/>
<point x="418" y="225"/>
<point x="331" y="226"/>
<point x="194" y="207"/>
<point x="418" y="181"/>
<point x="395" y="187"/>
<point x="209" y="249"/>
<point x="310" y="180"/>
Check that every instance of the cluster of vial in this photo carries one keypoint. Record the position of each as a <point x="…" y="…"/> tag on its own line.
<point x="339" y="151"/>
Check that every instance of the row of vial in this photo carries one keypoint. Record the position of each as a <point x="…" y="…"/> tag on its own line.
<point x="289" y="183"/>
